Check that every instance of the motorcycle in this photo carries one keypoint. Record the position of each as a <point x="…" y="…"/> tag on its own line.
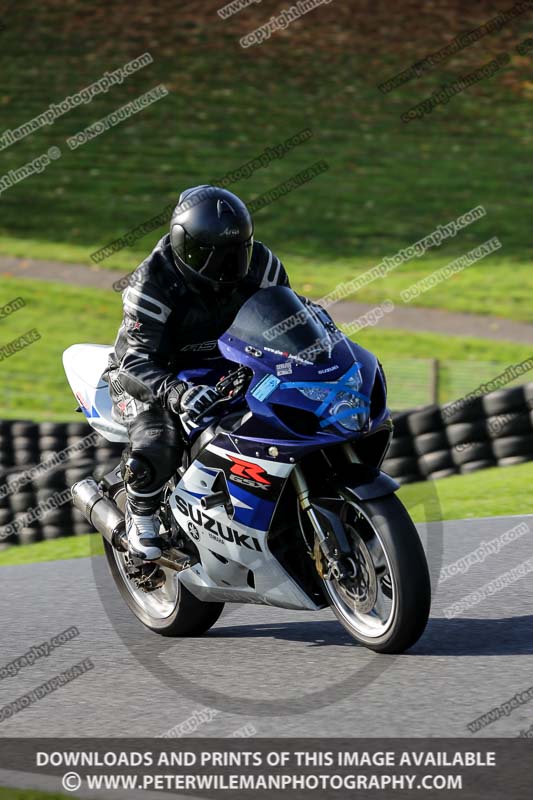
<point x="279" y="499"/>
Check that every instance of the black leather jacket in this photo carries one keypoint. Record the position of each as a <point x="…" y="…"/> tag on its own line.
<point x="168" y="326"/>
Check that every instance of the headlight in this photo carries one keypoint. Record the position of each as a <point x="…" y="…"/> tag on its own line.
<point x="315" y="393"/>
<point x="340" y="401"/>
<point x="349" y="411"/>
<point x="349" y="408"/>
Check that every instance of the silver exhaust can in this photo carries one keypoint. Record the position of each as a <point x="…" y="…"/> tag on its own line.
<point x="100" y="511"/>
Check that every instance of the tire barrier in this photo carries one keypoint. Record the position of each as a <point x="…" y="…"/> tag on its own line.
<point x="495" y="429"/>
<point x="428" y="444"/>
<point x="39" y="462"/>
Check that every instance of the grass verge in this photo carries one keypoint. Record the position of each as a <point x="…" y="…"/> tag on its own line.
<point x="7" y="793"/>
<point x="53" y="550"/>
<point x="499" y="491"/>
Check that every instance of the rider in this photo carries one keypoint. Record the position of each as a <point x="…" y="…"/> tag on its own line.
<point x="178" y="302"/>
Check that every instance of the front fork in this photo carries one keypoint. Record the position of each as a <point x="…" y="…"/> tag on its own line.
<point x="324" y="516"/>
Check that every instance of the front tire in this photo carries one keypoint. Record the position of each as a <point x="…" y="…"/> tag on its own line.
<point x="169" y="611"/>
<point x="393" y="614"/>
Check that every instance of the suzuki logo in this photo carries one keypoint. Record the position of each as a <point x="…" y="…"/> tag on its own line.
<point x="214" y="528"/>
<point x="245" y="469"/>
<point x="193" y="530"/>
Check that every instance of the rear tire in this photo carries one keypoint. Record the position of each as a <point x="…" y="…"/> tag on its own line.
<point x="187" y="617"/>
<point x="407" y="571"/>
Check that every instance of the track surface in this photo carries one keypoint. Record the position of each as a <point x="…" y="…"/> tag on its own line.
<point x="286" y="673"/>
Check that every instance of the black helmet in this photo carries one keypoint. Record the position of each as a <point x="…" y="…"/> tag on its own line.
<point x="211" y="235"/>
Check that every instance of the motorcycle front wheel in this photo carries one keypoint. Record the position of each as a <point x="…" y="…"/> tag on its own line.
<point x="385" y="604"/>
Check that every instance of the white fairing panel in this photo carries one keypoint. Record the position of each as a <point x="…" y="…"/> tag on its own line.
<point x="236" y="565"/>
<point x="84" y="366"/>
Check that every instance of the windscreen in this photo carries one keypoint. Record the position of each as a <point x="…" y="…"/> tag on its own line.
<point x="278" y="320"/>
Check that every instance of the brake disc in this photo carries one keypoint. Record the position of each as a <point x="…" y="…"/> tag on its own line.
<point x="362" y="590"/>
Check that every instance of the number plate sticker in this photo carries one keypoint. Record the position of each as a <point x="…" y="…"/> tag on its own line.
<point x="265" y="387"/>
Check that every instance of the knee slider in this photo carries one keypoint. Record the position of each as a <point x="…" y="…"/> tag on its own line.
<point x="155" y="440"/>
<point x="136" y="471"/>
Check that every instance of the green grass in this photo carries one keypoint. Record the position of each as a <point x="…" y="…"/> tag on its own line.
<point x="7" y="793"/>
<point x="388" y="185"/>
<point x="54" y="550"/>
<point x="491" y="492"/>
<point x="34" y="384"/>
<point x="492" y="286"/>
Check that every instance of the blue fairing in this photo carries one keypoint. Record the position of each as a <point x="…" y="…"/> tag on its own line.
<point x="300" y="362"/>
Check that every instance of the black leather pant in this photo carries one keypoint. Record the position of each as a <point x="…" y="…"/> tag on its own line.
<point x="154" y="452"/>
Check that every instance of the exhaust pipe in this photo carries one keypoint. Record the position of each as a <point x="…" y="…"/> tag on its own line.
<point x="101" y="512"/>
<point x="104" y="515"/>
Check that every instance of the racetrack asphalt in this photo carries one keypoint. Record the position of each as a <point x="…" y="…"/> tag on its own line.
<point x="281" y="673"/>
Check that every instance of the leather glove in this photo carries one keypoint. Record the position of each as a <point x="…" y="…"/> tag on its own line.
<point x="197" y="400"/>
<point x="174" y="397"/>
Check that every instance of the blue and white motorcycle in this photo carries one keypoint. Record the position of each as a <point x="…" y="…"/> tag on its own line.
<point x="280" y="499"/>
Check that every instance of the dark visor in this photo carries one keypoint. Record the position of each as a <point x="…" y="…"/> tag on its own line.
<point x="219" y="263"/>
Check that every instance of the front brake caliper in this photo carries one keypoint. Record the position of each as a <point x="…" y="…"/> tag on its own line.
<point x="318" y="557"/>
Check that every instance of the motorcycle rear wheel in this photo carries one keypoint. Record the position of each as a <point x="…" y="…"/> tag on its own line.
<point x="171" y="610"/>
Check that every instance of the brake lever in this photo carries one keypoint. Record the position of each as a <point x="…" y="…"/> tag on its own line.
<point x="235" y="381"/>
